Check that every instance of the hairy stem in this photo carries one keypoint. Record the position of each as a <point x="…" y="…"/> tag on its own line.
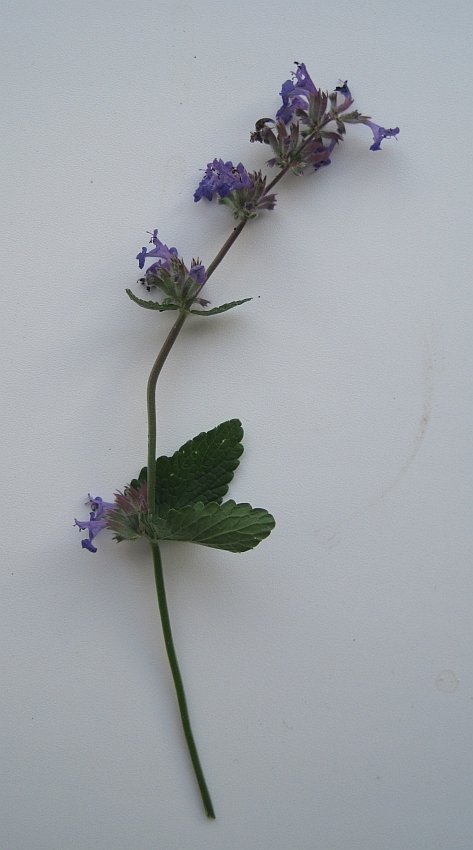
<point x="226" y="247"/>
<point x="278" y="177"/>
<point x="176" y="674"/>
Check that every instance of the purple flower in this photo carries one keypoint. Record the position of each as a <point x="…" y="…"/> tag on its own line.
<point x="97" y="521"/>
<point x="295" y="95"/>
<point x="304" y="86"/>
<point x="197" y="273"/>
<point x="379" y="134"/>
<point x="345" y="91"/>
<point x="171" y="275"/>
<point x="222" y="177"/>
<point x="319" y="154"/>
<point x="169" y="271"/>
<point x="159" y="250"/>
<point x="206" y="187"/>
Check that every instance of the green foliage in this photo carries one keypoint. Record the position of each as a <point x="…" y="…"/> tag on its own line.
<point x="168" y="304"/>
<point x="222" y="309"/>
<point x="200" y="471"/>
<point x="151" y="305"/>
<point x="190" y="486"/>
<point x="233" y="527"/>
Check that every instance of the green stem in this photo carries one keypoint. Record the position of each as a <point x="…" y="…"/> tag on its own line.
<point x="169" y="342"/>
<point x="158" y="570"/>
<point x="158" y="365"/>
<point x="176" y="674"/>
<point x="151" y="404"/>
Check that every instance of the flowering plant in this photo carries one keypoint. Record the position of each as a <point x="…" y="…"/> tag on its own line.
<point x="180" y="497"/>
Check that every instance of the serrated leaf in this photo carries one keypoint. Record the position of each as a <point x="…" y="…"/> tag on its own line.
<point x="200" y="471"/>
<point x="222" y="309"/>
<point x="233" y="527"/>
<point x="151" y="305"/>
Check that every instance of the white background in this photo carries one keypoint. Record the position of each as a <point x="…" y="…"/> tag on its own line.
<point x="314" y="665"/>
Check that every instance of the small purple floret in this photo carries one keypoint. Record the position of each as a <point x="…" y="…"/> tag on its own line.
<point x="295" y="94"/>
<point x="198" y="273"/>
<point x="304" y="82"/>
<point x="160" y="250"/>
<point x="96" y="522"/>
<point x="379" y="134"/>
<point x="343" y="89"/>
<point x="169" y="272"/>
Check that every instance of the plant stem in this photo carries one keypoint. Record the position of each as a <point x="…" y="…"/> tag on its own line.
<point x="176" y="674"/>
<point x="151" y="404"/>
<point x="158" y="365"/>
<point x="226" y="247"/>
<point x="158" y="570"/>
<point x="170" y="340"/>
<point x="278" y="177"/>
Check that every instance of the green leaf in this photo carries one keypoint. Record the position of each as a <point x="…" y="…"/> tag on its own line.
<point x="233" y="527"/>
<point x="151" y="305"/>
<point x="222" y="309"/>
<point x="143" y="476"/>
<point x="200" y="471"/>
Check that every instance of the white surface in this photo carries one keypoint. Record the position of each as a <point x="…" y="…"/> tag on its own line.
<point x="330" y="671"/>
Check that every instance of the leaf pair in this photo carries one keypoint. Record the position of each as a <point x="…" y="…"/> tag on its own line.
<point x="190" y="486"/>
<point x="155" y="305"/>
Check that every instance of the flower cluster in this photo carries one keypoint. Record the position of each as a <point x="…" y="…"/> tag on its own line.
<point x="246" y="203"/>
<point x="221" y="178"/>
<point x="128" y="519"/>
<point x="300" y="95"/>
<point x="317" y="123"/>
<point x="244" y="193"/>
<point x="124" y="516"/>
<point x="169" y="274"/>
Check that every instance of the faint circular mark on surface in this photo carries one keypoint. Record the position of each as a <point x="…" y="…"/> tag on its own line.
<point x="447" y="681"/>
